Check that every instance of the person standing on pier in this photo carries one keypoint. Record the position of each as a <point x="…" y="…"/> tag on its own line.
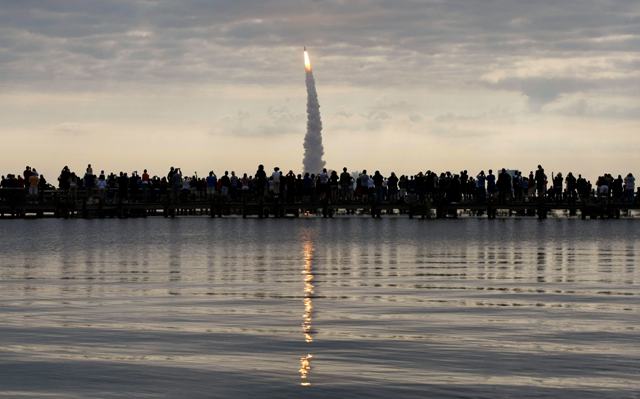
<point x="176" y="184"/>
<point x="377" y="183"/>
<point x="491" y="184"/>
<point x="323" y="180"/>
<point x="212" y="180"/>
<point x="275" y="181"/>
<point x="33" y="185"/>
<point x="504" y="186"/>
<point x="261" y="181"/>
<point x="557" y="186"/>
<point x="346" y="185"/>
<point x="481" y="190"/>
<point x="26" y="175"/>
<point x="617" y="188"/>
<point x="102" y="185"/>
<point x="225" y="183"/>
<point x="392" y="187"/>
<point x="629" y="187"/>
<point x="541" y="182"/>
<point x="571" y="182"/>
<point x="63" y="179"/>
<point x="334" y="180"/>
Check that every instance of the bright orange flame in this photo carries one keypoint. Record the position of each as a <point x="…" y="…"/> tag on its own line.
<point x="307" y="62"/>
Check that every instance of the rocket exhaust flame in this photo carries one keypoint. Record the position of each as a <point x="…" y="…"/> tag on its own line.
<point x="313" y="148"/>
<point x="307" y="62"/>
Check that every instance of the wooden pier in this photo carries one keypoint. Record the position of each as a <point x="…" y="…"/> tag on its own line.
<point x="62" y="207"/>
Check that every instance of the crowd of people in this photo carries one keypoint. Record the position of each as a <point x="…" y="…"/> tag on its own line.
<point x="336" y="187"/>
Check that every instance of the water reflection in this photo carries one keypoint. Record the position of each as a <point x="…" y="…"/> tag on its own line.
<point x="486" y="301"/>
<point x="307" y="317"/>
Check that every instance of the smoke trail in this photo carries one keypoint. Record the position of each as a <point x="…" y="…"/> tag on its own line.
<point x="313" y="149"/>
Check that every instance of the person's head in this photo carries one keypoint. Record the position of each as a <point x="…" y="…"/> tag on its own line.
<point x="344" y="169"/>
<point x="490" y="171"/>
<point x="276" y="169"/>
<point x="260" y="167"/>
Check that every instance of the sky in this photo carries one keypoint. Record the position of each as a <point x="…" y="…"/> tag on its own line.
<point x="404" y="85"/>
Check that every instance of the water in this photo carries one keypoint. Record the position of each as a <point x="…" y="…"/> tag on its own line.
<point x="312" y="308"/>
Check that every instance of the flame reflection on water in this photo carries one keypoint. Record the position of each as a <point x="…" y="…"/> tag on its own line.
<point x="307" y="317"/>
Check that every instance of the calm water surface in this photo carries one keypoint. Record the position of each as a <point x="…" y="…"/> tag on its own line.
<point x="311" y="308"/>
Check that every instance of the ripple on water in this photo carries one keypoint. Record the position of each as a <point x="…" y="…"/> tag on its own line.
<point x="350" y="307"/>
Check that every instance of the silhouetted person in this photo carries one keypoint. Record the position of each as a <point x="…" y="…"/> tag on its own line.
<point x="629" y="187"/>
<point x="261" y="181"/>
<point x="481" y="190"/>
<point x="541" y="182"/>
<point x="492" y="188"/>
<point x="392" y="187"/>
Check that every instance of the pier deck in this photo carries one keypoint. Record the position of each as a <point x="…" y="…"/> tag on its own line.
<point x="55" y="206"/>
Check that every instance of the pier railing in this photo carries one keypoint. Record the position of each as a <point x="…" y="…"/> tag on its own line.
<point x="17" y="202"/>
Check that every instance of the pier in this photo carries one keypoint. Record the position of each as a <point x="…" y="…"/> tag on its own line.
<point x="89" y="205"/>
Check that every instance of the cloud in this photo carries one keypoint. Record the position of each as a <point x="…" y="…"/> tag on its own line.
<point x="344" y="114"/>
<point x="544" y="80"/>
<point x="601" y="108"/>
<point x="415" y="118"/>
<point x="73" y="129"/>
<point x="274" y="121"/>
<point x="398" y="66"/>
<point x="365" y="42"/>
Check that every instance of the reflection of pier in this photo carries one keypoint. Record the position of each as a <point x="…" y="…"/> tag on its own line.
<point x="307" y="317"/>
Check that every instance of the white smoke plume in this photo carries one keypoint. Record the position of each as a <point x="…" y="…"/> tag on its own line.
<point x="313" y="149"/>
